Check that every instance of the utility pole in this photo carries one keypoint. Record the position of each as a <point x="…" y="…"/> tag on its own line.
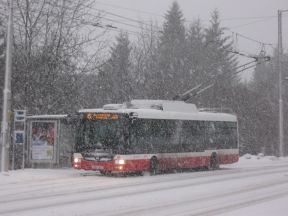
<point x="5" y="129"/>
<point x="280" y="55"/>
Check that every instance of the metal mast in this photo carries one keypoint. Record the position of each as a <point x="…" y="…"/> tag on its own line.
<point x="5" y="129"/>
<point x="280" y="55"/>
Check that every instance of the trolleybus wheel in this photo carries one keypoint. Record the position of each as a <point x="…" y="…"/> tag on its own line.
<point x="105" y="173"/>
<point x="102" y="172"/>
<point x="214" y="161"/>
<point x="153" y="166"/>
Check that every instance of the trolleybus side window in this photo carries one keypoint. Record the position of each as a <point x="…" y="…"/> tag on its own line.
<point x="151" y="135"/>
<point x="211" y="135"/>
<point x="193" y="133"/>
<point x="139" y="142"/>
<point x="231" y="134"/>
<point x="225" y="135"/>
<point x="175" y="143"/>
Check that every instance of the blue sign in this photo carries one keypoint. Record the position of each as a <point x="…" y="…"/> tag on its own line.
<point x="19" y="137"/>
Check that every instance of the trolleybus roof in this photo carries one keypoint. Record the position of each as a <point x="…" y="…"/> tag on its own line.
<point x="162" y="109"/>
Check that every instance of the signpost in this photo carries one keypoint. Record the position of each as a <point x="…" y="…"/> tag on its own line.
<point x="18" y="157"/>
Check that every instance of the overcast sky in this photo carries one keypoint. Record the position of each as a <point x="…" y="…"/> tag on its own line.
<point x="256" y="19"/>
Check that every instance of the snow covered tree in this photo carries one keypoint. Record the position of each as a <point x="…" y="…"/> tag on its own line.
<point x="196" y="64"/>
<point x="144" y="58"/>
<point x="171" y="76"/>
<point x="115" y="80"/>
<point x="218" y="54"/>
<point x="220" y="64"/>
<point x="50" y="53"/>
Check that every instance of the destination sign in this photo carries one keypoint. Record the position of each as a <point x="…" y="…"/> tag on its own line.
<point x="99" y="116"/>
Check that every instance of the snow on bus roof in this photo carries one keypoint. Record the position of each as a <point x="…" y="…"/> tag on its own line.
<point x="205" y="116"/>
<point x="177" y="106"/>
<point x="161" y="109"/>
<point x="47" y="116"/>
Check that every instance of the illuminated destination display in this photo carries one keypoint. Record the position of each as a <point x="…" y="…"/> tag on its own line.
<point x="99" y="116"/>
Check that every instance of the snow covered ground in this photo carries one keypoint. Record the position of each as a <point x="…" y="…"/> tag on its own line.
<point x="253" y="186"/>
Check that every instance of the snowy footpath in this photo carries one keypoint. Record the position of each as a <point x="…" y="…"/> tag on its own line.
<point x="253" y="186"/>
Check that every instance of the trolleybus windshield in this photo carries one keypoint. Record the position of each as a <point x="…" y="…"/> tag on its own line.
<point x="101" y="132"/>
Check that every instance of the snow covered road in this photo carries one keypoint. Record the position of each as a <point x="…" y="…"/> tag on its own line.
<point x="250" y="186"/>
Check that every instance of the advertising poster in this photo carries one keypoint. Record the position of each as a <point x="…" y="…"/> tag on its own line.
<point x="43" y="140"/>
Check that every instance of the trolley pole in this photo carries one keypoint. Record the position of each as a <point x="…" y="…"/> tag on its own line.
<point x="280" y="55"/>
<point x="5" y="129"/>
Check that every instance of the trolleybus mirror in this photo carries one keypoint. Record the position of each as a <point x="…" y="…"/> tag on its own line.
<point x="133" y="116"/>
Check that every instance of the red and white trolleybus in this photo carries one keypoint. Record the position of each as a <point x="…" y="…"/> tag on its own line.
<point x="154" y="135"/>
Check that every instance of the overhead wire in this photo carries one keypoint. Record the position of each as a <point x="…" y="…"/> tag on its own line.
<point x="109" y="19"/>
<point x="241" y="35"/>
<point x="246" y="24"/>
<point x="159" y="15"/>
<point x="263" y="18"/>
<point x="115" y="28"/>
<point x="120" y="16"/>
<point x="209" y="83"/>
<point x="130" y="9"/>
<point x="143" y="23"/>
<point x="244" y="67"/>
<point x="146" y="24"/>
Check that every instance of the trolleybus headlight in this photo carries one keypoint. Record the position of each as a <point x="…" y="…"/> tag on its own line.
<point x="120" y="161"/>
<point x="77" y="157"/>
<point x="77" y="160"/>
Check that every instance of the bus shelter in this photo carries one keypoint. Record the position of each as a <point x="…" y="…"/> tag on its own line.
<point x="49" y="141"/>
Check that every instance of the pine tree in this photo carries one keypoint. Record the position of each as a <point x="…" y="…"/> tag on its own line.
<point x="218" y="53"/>
<point x="196" y="53"/>
<point x="171" y="73"/>
<point x="220" y="64"/>
<point x="115" y="80"/>
<point x="144" y="62"/>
